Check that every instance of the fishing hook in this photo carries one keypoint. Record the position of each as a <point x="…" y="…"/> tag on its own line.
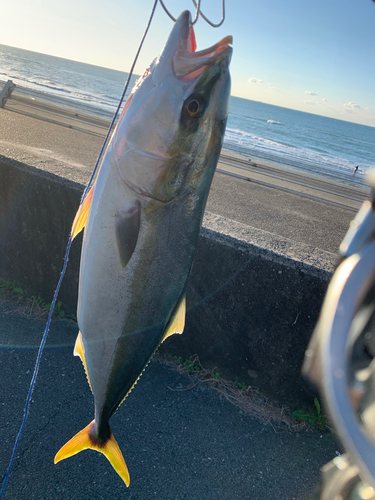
<point x="197" y="7"/>
<point x="206" y="19"/>
<point x="197" y="12"/>
<point x="167" y="11"/>
<point x="174" y="19"/>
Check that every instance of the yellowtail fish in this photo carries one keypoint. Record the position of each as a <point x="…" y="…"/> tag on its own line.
<point x="142" y="219"/>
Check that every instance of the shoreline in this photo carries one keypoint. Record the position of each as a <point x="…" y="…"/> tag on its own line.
<point x="95" y="117"/>
<point x="269" y="197"/>
<point x="239" y="165"/>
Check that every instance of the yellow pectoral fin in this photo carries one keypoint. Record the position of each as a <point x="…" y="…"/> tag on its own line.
<point x="79" y="350"/>
<point x="110" y="449"/>
<point x="177" y="322"/>
<point x="81" y="216"/>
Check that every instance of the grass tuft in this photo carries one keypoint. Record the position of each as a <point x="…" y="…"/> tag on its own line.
<point x="248" y="398"/>
<point x="29" y="305"/>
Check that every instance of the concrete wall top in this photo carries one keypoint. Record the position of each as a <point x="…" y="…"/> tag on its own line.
<point x="253" y="297"/>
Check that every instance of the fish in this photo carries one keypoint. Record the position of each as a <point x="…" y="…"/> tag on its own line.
<point x="141" y="221"/>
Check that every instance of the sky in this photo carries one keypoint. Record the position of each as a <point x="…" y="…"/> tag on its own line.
<point x="316" y="56"/>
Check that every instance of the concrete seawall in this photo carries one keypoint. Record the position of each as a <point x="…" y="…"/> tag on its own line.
<point x="253" y="297"/>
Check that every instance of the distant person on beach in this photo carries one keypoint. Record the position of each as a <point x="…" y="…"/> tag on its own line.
<point x="355" y="169"/>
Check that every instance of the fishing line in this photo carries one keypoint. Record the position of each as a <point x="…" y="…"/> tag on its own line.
<point x="66" y="258"/>
<point x="67" y="252"/>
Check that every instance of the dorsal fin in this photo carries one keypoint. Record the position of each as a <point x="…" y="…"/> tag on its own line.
<point x="177" y="321"/>
<point x="82" y="213"/>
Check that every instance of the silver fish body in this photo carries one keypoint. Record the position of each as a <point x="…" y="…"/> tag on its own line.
<point x="145" y="213"/>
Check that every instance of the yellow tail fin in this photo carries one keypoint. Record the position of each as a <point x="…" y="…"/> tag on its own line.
<point x="83" y="441"/>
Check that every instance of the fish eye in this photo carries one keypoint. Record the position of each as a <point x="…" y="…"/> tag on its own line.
<point x="192" y="111"/>
<point x="193" y="107"/>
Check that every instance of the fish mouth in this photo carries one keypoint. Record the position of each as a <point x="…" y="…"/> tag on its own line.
<point x="180" y="57"/>
<point x="189" y="64"/>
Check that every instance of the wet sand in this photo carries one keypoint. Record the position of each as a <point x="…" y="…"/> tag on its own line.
<point x="269" y="197"/>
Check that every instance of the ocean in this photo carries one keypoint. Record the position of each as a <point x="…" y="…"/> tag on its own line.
<point x="320" y="146"/>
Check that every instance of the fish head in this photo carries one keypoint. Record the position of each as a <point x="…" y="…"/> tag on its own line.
<point x="172" y="126"/>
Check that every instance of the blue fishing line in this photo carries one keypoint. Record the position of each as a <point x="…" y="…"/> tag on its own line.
<point x="66" y="258"/>
<point x="37" y="363"/>
<point x="105" y="143"/>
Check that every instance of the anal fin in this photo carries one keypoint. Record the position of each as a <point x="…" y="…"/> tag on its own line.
<point x="79" y="350"/>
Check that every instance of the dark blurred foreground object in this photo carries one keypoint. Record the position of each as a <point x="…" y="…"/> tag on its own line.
<point x="340" y="361"/>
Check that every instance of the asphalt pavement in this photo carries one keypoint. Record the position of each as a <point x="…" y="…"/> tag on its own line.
<point x="180" y="440"/>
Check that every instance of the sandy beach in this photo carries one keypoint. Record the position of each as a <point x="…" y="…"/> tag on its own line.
<point x="273" y="198"/>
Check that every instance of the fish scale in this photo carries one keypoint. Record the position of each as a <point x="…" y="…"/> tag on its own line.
<point x="141" y="222"/>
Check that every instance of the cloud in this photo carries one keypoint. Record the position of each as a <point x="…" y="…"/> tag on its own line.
<point x="254" y="80"/>
<point x="351" y="105"/>
<point x="310" y="102"/>
<point x="324" y="99"/>
<point x="310" y="92"/>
